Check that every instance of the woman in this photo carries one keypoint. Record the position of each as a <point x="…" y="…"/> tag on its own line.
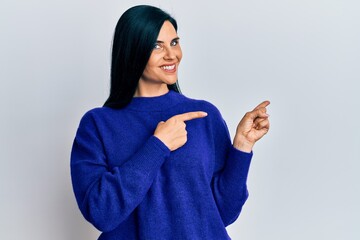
<point x="152" y="163"/>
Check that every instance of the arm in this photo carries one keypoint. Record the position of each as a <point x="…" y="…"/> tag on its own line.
<point x="230" y="175"/>
<point x="106" y="196"/>
<point x="229" y="181"/>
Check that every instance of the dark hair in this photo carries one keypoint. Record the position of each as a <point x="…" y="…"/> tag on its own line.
<point x="135" y="35"/>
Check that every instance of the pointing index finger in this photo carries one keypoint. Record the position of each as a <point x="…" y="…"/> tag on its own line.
<point x="262" y="105"/>
<point x="190" y="115"/>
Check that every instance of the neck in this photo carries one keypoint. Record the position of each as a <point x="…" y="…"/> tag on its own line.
<point x="150" y="89"/>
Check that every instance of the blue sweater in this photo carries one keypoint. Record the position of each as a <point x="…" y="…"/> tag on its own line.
<point x="129" y="185"/>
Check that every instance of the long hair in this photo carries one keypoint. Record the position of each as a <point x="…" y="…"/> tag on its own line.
<point x="135" y="35"/>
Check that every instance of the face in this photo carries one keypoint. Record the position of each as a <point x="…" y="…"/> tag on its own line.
<point x="165" y="58"/>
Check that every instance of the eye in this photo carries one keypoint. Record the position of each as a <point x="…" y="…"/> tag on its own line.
<point x="157" y="46"/>
<point x="174" y="43"/>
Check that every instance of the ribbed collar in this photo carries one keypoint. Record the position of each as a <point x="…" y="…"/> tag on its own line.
<point x="158" y="103"/>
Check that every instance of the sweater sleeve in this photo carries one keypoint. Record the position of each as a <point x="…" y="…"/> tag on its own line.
<point x="230" y="173"/>
<point x="106" y="196"/>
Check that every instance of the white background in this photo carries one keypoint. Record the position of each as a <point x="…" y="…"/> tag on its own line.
<point x="302" y="55"/>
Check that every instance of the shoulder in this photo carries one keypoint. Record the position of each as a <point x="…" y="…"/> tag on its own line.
<point x="98" y="114"/>
<point x="99" y="111"/>
<point x="203" y="105"/>
<point x="93" y="113"/>
<point x="216" y="123"/>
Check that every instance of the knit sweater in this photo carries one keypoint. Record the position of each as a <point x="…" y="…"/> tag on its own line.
<point x="129" y="185"/>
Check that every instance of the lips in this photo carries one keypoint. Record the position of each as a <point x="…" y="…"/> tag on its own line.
<point x="170" y="68"/>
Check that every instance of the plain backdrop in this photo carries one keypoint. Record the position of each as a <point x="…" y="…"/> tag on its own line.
<point x="302" y="55"/>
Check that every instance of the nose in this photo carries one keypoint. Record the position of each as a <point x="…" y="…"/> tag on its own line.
<point x="170" y="53"/>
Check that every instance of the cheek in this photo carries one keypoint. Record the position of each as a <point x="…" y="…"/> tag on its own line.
<point x="151" y="65"/>
<point x="179" y="54"/>
<point x="153" y="60"/>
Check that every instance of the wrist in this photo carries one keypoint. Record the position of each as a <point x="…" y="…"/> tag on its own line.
<point x="243" y="145"/>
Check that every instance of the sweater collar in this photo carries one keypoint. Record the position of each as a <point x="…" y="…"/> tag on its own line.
<point x="158" y="103"/>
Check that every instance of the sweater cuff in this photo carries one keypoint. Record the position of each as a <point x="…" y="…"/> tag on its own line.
<point x="151" y="156"/>
<point x="240" y="162"/>
<point x="160" y="144"/>
<point x="241" y="154"/>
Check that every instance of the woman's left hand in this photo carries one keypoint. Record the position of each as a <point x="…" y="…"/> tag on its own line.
<point x="252" y="127"/>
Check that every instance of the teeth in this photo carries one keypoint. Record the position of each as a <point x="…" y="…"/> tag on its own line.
<point x="168" y="67"/>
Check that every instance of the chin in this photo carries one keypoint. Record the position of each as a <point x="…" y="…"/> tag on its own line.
<point x="170" y="81"/>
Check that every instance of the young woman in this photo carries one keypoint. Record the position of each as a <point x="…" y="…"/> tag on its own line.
<point x="152" y="163"/>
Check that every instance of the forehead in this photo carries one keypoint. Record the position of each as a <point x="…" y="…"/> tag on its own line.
<point x="167" y="31"/>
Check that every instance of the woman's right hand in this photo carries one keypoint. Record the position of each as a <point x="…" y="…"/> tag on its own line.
<point x="173" y="132"/>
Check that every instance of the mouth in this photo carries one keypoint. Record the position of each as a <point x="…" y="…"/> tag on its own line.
<point x="169" y="68"/>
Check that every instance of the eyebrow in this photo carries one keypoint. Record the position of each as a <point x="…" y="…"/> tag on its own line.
<point x="177" y="38"/>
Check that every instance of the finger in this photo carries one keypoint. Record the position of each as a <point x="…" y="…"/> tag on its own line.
<point x="257" y="121"/>
<point x="262" y="105"/>
<point x="263" y="124"/>
<point x="263" y="131"/>
<point x="190" y="115"/>
<point x="257" y="113"/>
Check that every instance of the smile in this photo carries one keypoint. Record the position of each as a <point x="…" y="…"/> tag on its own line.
<point x="168" y="68"/>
